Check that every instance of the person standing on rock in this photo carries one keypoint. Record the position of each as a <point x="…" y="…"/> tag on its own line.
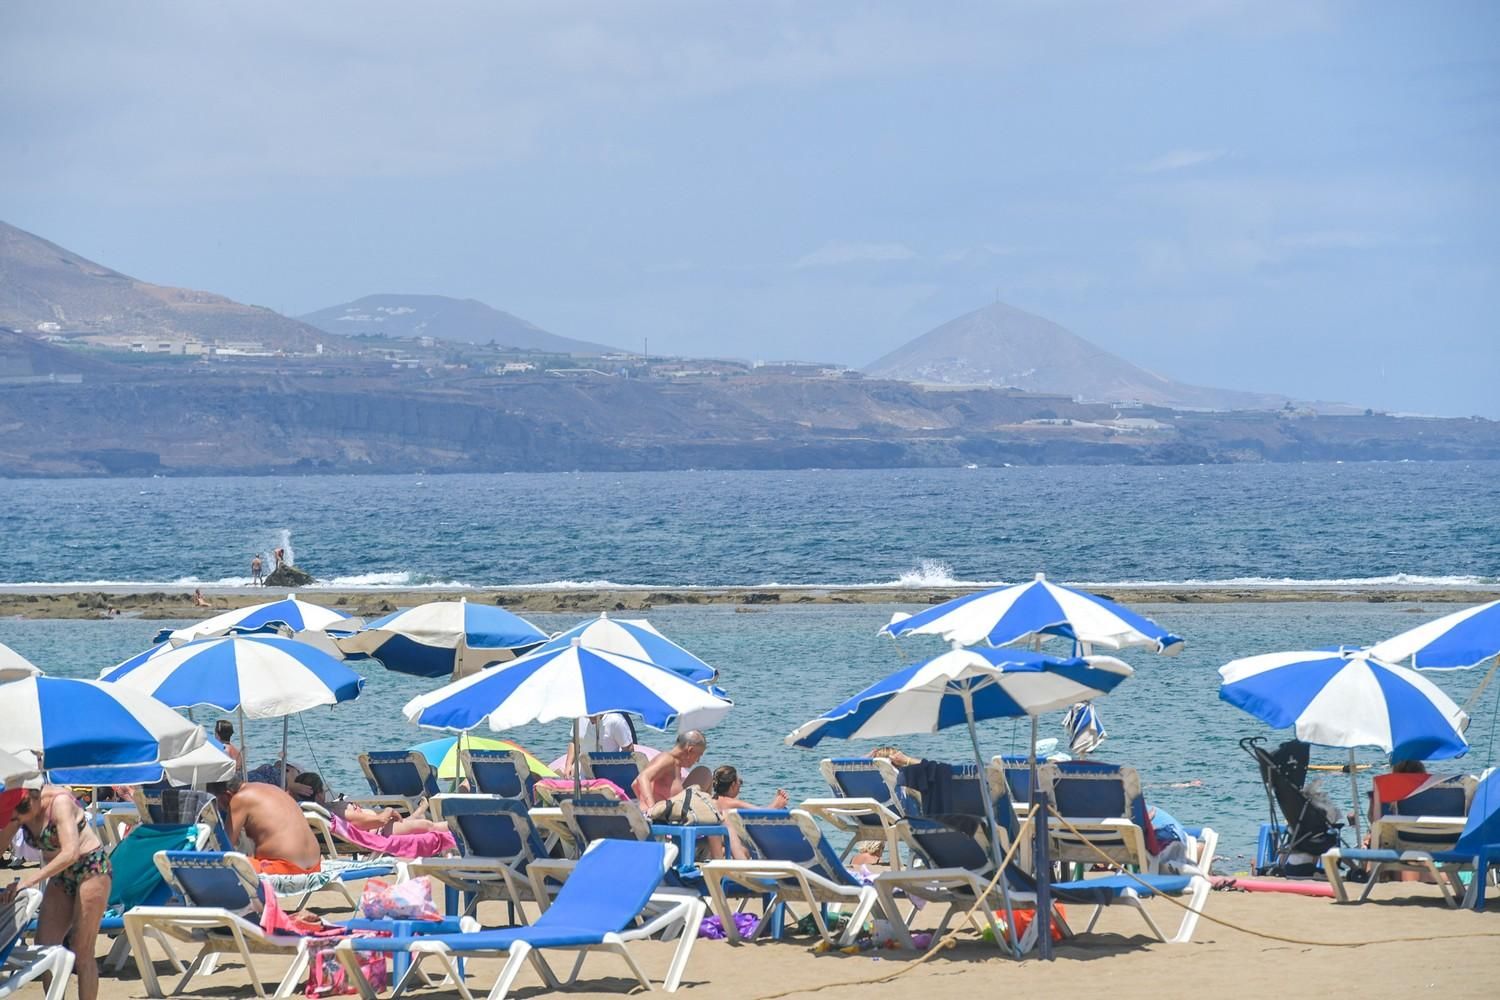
<point x="280" y="554"/>
<point x="255" y="564"/>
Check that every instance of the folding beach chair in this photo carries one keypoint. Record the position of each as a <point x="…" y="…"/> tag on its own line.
<point x="866" y="803"/>
<point x="21" y="963"/>
<point x="1476" y="849"/>
<point x="497" y="843"/>
<point x="603" y="906"/>
<point x="1305" y="828"/>
<point x="397" y="778"/>
<point x="498" y="772"/>
<point x="620" y="766"/>
<point x="223" y="896"/>
<point x="795" y="864"/>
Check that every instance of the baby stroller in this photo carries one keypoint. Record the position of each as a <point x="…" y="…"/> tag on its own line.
<point x="1307" y="829"/>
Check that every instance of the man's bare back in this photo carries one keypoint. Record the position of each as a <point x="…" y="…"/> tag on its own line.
<point x="273" y="820"/>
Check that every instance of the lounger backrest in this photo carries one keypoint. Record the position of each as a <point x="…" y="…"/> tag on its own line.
<point x="620" y="766"/>
<point x="398" y="772"/>
<point x="862" y="778"/>
<point x="14" y="919"/>
<point x="487" y="826"/>
<point x="498" y="772"/>
<point x="211" y="879"/>
<point x="1017" y="771"/>
<point x="790" y="835"/>
<point x="1449" y="797"/>
<point x="608" y="887"/>
<point x="941" y="846"/>
<point x="1094" y="789"/>
<point x="163" y="805"/>
<point x="591" y="818"/>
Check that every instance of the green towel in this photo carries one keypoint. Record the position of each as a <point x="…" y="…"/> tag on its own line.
<point x="136" y="878"/>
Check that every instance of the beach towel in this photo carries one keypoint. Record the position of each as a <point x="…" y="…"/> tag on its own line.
<point x="1391" y="788"/>
<point x="550" y="787"/>
<point x="433" y="844"/>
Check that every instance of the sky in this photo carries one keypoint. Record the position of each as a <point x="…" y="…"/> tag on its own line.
<point x="1287" y="197"/>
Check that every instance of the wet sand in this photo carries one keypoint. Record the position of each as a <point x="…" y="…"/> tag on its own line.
<point x="1441" y="952"/>
<point x="130" y="601"/>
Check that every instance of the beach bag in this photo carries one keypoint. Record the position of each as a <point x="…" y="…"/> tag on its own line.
<point x="327" y="978"/>
<point x="409" y="900"/>
<point x="689" y="807"/>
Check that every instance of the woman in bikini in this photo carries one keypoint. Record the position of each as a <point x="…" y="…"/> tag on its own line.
<point x="76" y="870"/>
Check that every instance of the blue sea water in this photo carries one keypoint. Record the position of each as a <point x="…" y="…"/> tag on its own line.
<point x="1388" y="524"/>
<point x="1377" y="523"/>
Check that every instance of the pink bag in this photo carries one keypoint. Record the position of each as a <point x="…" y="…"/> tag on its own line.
<point x="326" y="977"/>
<point x="409" y="900"/>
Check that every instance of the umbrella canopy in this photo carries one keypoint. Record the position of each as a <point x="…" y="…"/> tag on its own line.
<point x="265" y="677"/>
<point x="637" y="638"/>
<point x="1085" y="728"/>
<point x="566" y="684"/>
<point x="195" y="769"/>
<point x="16" y="769"/>
<point x="1348" y="699"/>
<point x="14" y="666"/>
<point x="1032" y="611"/>
<point x="1463" y="639"/>
<point x="292" y="613"/>
<point x="444" y="638"/>
<point x="442" y="754"/>
<point x="963" y="685"/>
<point x="75" y="723"/>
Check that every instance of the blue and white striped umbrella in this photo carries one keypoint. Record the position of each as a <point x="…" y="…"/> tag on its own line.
<point x="1463" y="639"/>
<point x="566" y="683"/>
<point x="1036" y="610"/>
<point x="16" y="769"/>
<point x="963" y="686"/>
<point x="14" y="666"/>
<point x="1348" y="700"/>
<point x="637" y="638"/>
<point x="75" y="723"/>
<point x="1085" y="728"/>
<point x="291" y="613"/>
<point x="444" y="638"/>
<point x="195" y="769"/>
<point x="265" y="677"/>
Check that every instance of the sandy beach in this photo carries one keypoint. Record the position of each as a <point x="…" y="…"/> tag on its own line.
<point x="69" y="601"/>
<point x="1410" y="944"/>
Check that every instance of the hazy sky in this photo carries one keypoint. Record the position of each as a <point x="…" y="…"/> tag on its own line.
<point x="1295" y="197"/>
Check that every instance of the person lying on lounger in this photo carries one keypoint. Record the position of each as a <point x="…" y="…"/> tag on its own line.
<point x="386" y="822"/>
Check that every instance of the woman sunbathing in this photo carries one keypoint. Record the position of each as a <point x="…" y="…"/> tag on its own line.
<point x="386" y="822"/>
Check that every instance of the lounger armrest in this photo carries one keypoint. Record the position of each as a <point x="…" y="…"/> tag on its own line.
<point x="547" y="875"/>
<point x="838" y="811"/>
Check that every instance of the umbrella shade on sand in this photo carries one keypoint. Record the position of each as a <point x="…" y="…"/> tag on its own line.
<point x="77" y="723"/>
<point x="444" y="638"/>
<point x="1032" y="612"/>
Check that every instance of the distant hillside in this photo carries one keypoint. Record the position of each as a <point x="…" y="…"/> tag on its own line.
<point x="47" y="289"/>
<point x="1001" y="345"/>
<point x="467" y="321"/>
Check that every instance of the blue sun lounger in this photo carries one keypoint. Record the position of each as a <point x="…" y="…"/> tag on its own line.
<point x="866" y="802"/>
<point x="602" y="906"/>
<point x="497" y="842"/>
<point x="397" y="778"/>
<point x="1477" y="850"/>
<point x="498" y="772"/>
<point x="21" y="963"/>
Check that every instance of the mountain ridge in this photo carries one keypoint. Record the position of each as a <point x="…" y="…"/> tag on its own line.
<point x="1001" y="345"/>
<point x="443" y="317"/>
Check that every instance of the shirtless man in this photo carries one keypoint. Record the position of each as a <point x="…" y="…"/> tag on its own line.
<point x="662" y="778"/>
<point x="272" y="819"/>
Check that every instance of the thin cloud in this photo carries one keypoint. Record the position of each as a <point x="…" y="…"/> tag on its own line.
<point x="1181" y="159"/>
<point x="838" y="253"/>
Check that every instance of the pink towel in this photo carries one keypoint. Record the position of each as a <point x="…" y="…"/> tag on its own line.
<point x="399" y="845"/>
<point x="588" y="784"/>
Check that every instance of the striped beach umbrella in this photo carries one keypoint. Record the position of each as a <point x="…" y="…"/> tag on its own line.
<point x="1347" y="700"/>
<point x="442" y="754"/>
<point x="1463" y="639"/>
<point x="263" y="677"/>
<point x="566" y="683"/>
<point x="638" y="638"/>
<point x="14" y="666"/>
<point x="444" y="638"/>
<point x="1036" y="610"/>
<point x="292" y="614"/>
<point x="1085" y="728"/>
<point x="15" y="769"/>
<point x="77" y="723"/>
<point x="195" y="769"/>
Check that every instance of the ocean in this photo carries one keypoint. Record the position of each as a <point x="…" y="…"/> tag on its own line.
<point x="1399" y="524"/>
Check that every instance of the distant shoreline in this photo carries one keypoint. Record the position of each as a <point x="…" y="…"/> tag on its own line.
<point x="131" y="601"/>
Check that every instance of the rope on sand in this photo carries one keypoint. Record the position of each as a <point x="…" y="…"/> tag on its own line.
<point x="950" y="938"/>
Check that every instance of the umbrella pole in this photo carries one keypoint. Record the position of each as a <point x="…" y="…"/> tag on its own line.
<point x="284" y="719"/>
<point x="577" y="761"/>
<point x="989" y="816"/>
<point x="1043" y="864"/>
<point x="244" y="760"/>
<point x="1354" y="791"/>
